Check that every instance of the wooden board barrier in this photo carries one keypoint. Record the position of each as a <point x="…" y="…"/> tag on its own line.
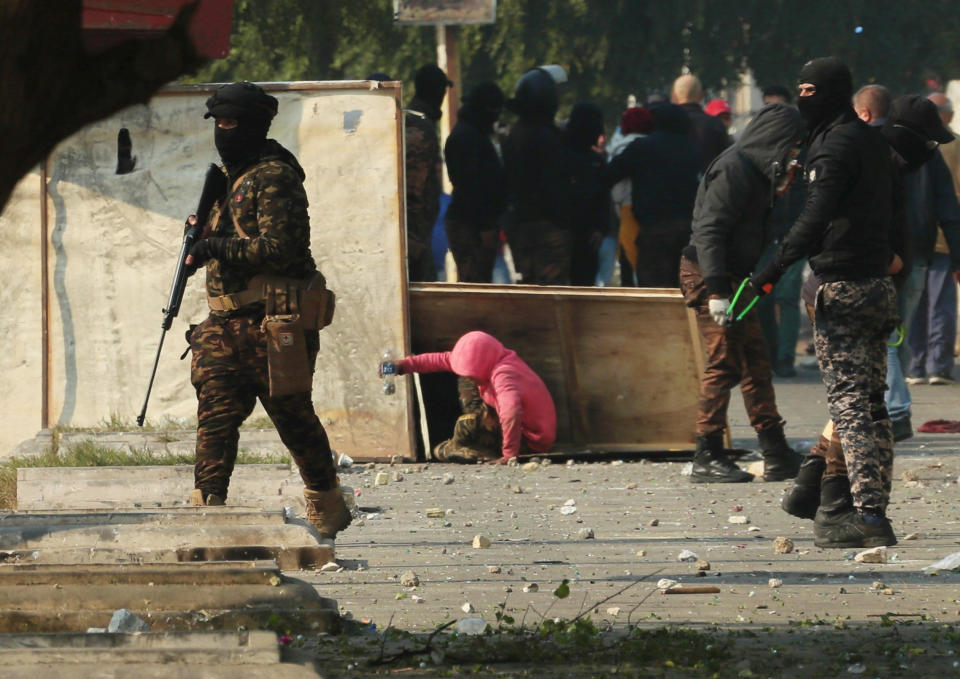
<point x="622" y="364"/>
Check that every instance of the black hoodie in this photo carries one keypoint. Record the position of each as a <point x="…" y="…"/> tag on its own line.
<point x="736" y="195"/>
<point x="479" y="183"/>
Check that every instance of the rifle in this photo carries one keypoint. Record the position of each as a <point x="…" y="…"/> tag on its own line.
<point x="214" y="189"/>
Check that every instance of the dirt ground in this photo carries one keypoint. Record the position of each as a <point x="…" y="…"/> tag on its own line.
<point x="809" y="612"/>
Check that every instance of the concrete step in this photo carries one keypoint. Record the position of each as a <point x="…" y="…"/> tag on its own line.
<point x="73" y="598"/>
<point x="114" y="670"/>
<point x="184" y="441"/>
<point x="259" y="485"/>
<point x="161" y="536"/>
<point x="240" y="648"/>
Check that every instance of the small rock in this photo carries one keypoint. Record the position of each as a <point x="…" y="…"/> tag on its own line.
<point x="753" y="529"/>
<point x="330" y="566"/>
<point x="687" y="555"/>
<point x="875" y="555"/>
<point x="858" y="668"/>
<point x="653" y="522"/>
<point x="631" y="486"/>
<point x="910" y="475"/>
<point x="409" y="579"/>
<point x="481" y="542"/>
<point x="531" y="587"/>
<point x="775" y="583"/>
<point x="398" y="476"/>
<point x="570" y="503"/>
<point x="518" y="490"/>
<point x="468" y="608"/>
<point x="738" y="519"/>
<point x="493" y="569"/>
<point x="471" y="626"/>
<point x="703" y="565"/>
<point x="530" y="466"/>
<point x="448" y="478"/>
<point x="736" y="508"/>
<point x="887" y="591"/>
<point x="912" y="536"/>
<point x="417" y="599"/>
<point x="641" y="552"/>
<point x="127" y="622"/>
<point x="382" y="479"/>
<point x="782" y="545"/>
<point x="436" y="513"/>
<point x="586" y="534"/>
<point x="570" y="463"/>
<point x="567" y="510"/>
<point x="614" y="611"/>
<point x="666" y="583"/>
<point x="877" y="585"/>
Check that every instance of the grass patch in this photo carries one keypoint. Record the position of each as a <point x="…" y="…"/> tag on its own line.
<point x="90" y="454"/>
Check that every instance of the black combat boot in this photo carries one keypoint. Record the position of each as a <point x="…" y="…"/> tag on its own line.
<point x="780" y="461"/>
<point x="838" y="525"/>
<point x="711" y="464"/>
<point x="803" y="498"/>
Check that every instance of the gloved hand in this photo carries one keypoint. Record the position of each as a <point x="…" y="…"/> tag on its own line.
<point x="206" y="249"/>
<point x="718" y="311"/>
<point x="764" y="281"/>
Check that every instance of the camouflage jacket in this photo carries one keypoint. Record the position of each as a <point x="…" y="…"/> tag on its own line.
<point x="270" y="206"/>
<point x="423" y="176"/>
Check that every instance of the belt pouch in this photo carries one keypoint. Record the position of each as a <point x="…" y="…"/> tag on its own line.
<point x="289" y="369"/>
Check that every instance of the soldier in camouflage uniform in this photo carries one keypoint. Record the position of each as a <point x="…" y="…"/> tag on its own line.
<point x="423" y="166"/>
<point x="260" y="228"/>
<point x="846" y="230"/>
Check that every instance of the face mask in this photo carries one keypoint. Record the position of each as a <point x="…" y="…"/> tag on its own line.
<point x="914" y="149"/>
<point x="239" y="143"/>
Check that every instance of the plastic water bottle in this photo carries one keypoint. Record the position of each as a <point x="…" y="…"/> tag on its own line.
<point x="388" y="369"/>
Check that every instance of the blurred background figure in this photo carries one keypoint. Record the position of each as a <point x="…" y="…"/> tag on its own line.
<point x="720" y="109"/>
<point x="586" y="195"/>
<point x="636" y="122"/>
<point x="709" y="134"/>
<point x="539" y="237"/>
<point x="479" y="185"/>
<point x="423" y="167"/>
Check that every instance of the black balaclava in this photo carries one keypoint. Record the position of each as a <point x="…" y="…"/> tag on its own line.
<point x="584" y="127"/>
<point x="483" y="105"/>
<point x="253" y="110"/>
<point x="834" y="91"/>
<point x="430" y="87"/>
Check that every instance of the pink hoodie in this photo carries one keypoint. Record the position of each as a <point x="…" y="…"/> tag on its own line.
<point x="505" y="382"/>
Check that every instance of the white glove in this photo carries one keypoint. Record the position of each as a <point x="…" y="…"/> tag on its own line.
<point x="718" y="311"/>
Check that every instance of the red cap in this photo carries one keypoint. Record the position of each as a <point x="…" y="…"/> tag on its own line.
<point x="718" y="106"/>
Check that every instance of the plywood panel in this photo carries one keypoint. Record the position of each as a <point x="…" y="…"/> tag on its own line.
<point x="114" y="238"/>
<point x="621" y="364"/>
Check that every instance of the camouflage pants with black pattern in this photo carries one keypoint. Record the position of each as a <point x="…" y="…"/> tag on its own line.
<point x="476" y="435"/>
<point x="853" y="320"/>
<point x="542" y="252"/>
<point x="229" y="373"/>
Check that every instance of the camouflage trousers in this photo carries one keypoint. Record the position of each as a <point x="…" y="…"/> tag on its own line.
<point x="229" y="373"/>
<point x="474" y="259"/>
<point x="735" y="355"/>
<point x="476" y="435"/>
<point x="542" y="252"/>
<point x="853" y="320"/>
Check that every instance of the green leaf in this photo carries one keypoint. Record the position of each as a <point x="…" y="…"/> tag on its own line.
<point x="563" y="591"/>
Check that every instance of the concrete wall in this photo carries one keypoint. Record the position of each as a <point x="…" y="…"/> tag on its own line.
<point x="113" y="241"/>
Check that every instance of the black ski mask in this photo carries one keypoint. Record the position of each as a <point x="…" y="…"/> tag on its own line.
<point x="252" y="108"/>
<point x="241" y="142"/>
<point x="834" y="89"/>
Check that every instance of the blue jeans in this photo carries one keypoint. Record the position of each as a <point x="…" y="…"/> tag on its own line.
<point x="898" y="395"/>
<point x="934" y="327"/>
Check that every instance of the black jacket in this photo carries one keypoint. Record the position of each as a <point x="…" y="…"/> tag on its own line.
<point x="730" y="216"/>
<point x="479" y="184"/>
<point x="845" y="226"/>
<point x="663" y="168"/>
<point x="709" y="134"/>
<point x="531" y="159"/>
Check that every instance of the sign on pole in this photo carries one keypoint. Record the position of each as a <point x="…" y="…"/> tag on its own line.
<point x="445" y="11"/>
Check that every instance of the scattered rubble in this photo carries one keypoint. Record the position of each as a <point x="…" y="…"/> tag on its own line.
<point x="481" y="542"/>
<point x="738" y="519"/>
<point x="586" y="534"/>
<point x="409" y="579"/>
<point x="874" y="555"/>
<point x="782" y="545"/>
<point x="687" y="555"/>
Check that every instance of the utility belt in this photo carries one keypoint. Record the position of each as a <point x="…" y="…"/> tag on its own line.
<point x="292" y="306"/>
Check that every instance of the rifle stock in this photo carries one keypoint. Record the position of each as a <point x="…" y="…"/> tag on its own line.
<point x="214" y="188"/>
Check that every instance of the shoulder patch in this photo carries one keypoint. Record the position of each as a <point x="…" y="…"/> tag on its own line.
<point x="812" y="175"/>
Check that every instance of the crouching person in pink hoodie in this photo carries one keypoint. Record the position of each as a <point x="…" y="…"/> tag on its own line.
<point x="507" y="408"/>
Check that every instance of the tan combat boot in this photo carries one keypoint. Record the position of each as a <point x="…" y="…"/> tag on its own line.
<point x="327" y="511"/>
<point x="197" y="499"/>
